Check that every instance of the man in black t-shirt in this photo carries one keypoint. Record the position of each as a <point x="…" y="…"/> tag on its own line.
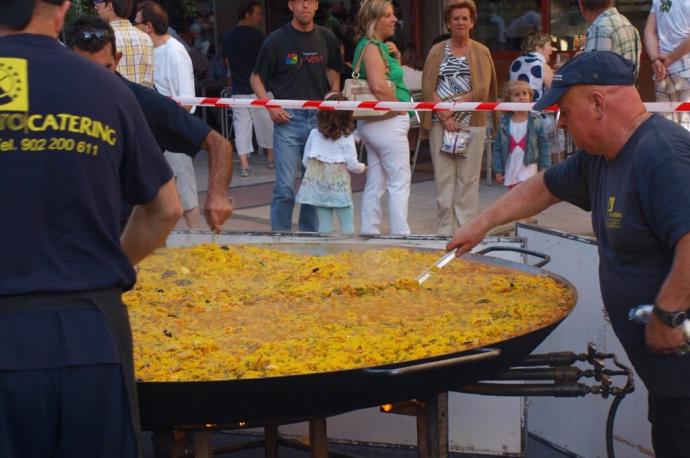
<point x="241" y="46"/>
<point x="69" y="157"/>
<point x="632" y="174"/>
<point x="299" y="61"/>
<point x="173" y="127"/>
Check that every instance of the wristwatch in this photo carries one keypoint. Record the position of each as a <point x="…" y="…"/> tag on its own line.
<point x="673" y="319"/>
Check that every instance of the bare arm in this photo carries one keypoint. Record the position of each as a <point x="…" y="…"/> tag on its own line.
<point x="376" y="74"/>
<point x="681" y="50"/>
<point x="278" y="115"/>
<point x="651" y="44"/>
<point x="218" y="208"/>
<point x="674" y="295"/>
<point x="548" y="75"/>
<point x="527" y="199"/>
<point x="333" y="79"/>
<point x="151" y="223"/>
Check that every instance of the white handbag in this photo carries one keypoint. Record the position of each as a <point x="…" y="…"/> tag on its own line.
<point x="358" y="90"/>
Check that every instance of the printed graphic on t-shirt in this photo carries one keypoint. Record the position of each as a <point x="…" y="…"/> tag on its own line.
<point x="308" y="58"/>
<point x="43" y="132"/>
<point x="614" y="219"/>
<point x="14" y="85"/>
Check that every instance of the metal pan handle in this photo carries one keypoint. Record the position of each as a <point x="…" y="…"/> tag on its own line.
<point x="477" y="355"/>
<point x="545" y="258"/>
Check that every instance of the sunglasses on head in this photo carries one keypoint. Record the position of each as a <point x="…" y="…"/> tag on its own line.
<point x="95" y="35"/>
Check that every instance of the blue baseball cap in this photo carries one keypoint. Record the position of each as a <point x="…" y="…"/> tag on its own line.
<point x="597" y="68"/>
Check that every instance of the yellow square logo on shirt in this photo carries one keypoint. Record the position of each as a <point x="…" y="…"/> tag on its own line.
<point x="14" y="84"/>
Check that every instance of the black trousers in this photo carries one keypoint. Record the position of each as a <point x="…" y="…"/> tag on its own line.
<point x="670" y="419"/>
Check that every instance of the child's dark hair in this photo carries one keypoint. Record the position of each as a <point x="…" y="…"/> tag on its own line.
<point x="334" y="124"/>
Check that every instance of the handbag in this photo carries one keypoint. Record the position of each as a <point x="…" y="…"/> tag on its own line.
<point x="358" y="90"/>
<point x="456" y="143"/>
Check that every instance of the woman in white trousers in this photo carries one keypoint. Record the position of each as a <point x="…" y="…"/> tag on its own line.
<point x="388" y="150"/>
<point x="388" y="159"/>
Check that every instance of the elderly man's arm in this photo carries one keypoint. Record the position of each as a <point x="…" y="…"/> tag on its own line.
<point x="218" y="208"/>
<point x="526" y="199"/>
<point x="674" y="296"/>
<point x="151" y="223"/>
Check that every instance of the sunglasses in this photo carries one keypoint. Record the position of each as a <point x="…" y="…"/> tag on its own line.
<point x="96" y="35"/>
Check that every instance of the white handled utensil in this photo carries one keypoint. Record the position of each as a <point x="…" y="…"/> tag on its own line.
<point x="445" y="259"/>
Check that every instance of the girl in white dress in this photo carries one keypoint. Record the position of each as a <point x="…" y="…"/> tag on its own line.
<point x="329" y="157"/>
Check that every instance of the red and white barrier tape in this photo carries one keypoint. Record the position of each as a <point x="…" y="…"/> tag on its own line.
<point x="654" y="107"/>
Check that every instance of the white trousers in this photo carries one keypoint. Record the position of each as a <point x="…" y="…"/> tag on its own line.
<point x="388" y="161"/>
<point x="243" y="119"/>
<point x="185" y="179"/>
<point x="457" y="180"/>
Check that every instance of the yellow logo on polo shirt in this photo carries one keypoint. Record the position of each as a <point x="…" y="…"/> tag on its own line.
<point x="612" y="203"/>
<point x="614" y="219"/>
<point x="14" y="84"/>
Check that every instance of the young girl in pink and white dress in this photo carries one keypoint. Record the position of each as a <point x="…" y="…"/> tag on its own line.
<point x="329" y="157"/>
<point x="521" y="147"/>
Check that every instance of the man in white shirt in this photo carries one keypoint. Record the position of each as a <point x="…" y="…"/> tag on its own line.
<point x="173" y="76"/>
<point x="136" y="47"/>
<point x="667" y="40"/>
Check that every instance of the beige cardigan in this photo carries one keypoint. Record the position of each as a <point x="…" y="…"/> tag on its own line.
<point x="482" y="75"/>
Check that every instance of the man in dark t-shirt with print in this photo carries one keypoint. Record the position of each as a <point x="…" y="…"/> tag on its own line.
<point x="632" y="173"/>
<point x="299" y="61"/>
<point x="69" y="158"/>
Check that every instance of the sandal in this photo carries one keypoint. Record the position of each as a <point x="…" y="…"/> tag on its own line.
<point x="245" y="172"/>
<point x="271" y="164"/>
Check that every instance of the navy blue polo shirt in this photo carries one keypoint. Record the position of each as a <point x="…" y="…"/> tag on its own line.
<point x="173" y="127"/>
<point x="73" y="145"/>
<point x="640" y="204"/>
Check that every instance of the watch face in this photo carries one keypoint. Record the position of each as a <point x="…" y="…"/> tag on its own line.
<point x="677" y="318"/>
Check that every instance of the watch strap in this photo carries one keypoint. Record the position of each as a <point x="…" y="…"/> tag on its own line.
<point x="673" y="319"/>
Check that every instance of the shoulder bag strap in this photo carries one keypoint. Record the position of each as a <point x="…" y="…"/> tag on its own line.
<point x="355" y="71"/>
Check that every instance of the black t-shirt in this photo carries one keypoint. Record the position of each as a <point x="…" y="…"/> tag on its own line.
<point x="73" y="145"/>
<point x="241" y="46"/>
<point x="173" y="127"/>
<point x="640" y="204"/>
<point x="292" y="64"/>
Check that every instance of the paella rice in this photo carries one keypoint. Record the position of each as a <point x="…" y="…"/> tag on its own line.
<point x="217" y="313"/>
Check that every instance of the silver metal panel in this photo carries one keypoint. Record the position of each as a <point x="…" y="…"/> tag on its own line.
<point x="579" y="424"/>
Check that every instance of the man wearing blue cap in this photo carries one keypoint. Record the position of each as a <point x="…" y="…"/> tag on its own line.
<point x="632" y="173"/>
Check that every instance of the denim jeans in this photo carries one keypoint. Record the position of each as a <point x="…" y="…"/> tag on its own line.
<point x="288" y="144"/>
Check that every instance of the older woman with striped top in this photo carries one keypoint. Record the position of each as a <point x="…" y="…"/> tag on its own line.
<point x="459" y="69"/>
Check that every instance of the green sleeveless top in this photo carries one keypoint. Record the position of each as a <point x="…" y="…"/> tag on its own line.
<point x="395" y="71"/>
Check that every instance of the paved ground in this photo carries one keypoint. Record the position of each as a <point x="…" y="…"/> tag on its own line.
<point x="253" y="196"/>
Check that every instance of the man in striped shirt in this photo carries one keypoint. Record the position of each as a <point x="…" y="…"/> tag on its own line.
<point x="136" y="47"/>
<point x="609" y="30"/>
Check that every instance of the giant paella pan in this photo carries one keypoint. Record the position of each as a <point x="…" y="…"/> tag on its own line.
<point x="261" y="329"/>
